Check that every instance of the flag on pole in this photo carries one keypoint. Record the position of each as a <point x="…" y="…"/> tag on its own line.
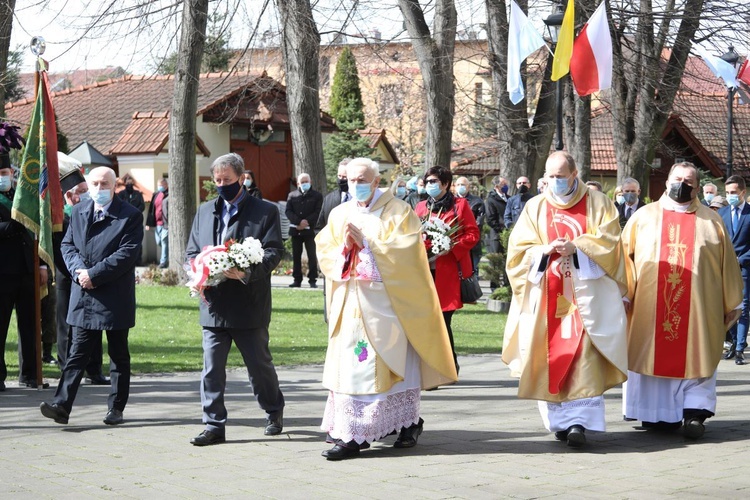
<point x="743" y="74"/>
<point x="719" y="67"/>
<point x="591" y="62"/>
<point x="38" y="200"/>
<point x="564" y="48"/>
<point x="523" y="40"/>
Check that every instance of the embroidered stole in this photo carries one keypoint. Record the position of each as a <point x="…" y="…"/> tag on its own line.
<point x="673" y="293"/>
<point x="564" y="325"/>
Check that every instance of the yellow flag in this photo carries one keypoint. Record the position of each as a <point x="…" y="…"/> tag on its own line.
<point x="564" y="49"/>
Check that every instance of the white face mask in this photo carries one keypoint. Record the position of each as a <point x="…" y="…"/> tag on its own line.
<point x="6" y="182"/>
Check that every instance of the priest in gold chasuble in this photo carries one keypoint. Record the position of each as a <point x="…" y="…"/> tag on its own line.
<point x="565" y="336"/>
<point x="387" y="339"/>
<point x="685" y="290"/>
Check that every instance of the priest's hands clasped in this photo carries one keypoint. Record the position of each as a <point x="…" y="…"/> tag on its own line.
<point x="353" y="236"/>
<point x="563" y="246"/>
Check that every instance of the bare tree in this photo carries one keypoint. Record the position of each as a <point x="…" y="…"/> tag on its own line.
<point x="300" y="43"/>
<point x="182" y="175"/>
<point x="7" y="7"/>
<point x="644" y="84"/>
<point x="434" y="53"/>
<point x="523" y="147"/>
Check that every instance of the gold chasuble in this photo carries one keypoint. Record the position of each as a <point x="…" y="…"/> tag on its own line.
<point x="369" y="322"/>
<point x="566" y="330"/>
<point x="683" y="278"/>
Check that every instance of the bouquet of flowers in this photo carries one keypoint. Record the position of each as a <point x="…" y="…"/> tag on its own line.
<point x="437" y="234"/>
<point x="207" y="269"/>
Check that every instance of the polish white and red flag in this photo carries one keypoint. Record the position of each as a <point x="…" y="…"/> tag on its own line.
<point x="591" y="63"/>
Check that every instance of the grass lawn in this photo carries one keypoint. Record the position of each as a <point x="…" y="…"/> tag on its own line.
<point x="167" y="337"/>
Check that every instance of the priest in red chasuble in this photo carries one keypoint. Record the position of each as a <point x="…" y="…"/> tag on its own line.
<point x="566" y="330"/>
<point x="685" y="290"/>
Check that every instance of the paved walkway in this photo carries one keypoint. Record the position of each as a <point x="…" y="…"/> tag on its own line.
<point x="480" y="441"/>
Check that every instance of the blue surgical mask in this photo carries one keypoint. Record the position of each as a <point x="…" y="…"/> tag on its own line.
<point x="504" y="189"/>
<point x="161" y="189"/>
<point x="620" y="199"/>
<point x="421" y="190"/>
<point x="6" y="182"/>
<point x="461" y="190"/>
<point x="433" y="189"/>
<point x="362" y="192"/>
<point x="629" y="198"/>
<point x="559" y="185"/>
<point x="733" y="199"/>
<point x="709" y="197"/>
<point x="247" y="183"/>
<point x="101" y="196"/>
<point x="84" y="197"/>
<point x="305" y="187"/>
<point x="401" y="191"/>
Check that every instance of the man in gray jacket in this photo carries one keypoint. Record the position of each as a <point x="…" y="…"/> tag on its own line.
<point x="238" y="309"/>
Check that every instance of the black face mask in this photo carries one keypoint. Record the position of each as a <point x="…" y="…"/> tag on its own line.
<point x="680" y="192"/>
<point x="343" y="185"/>
<point x="523" y="189"/>
<point x="230" y="192"/>
<point x="129" y="188"/>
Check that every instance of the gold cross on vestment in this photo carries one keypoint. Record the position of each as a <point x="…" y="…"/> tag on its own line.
<point x="676" y="249"/>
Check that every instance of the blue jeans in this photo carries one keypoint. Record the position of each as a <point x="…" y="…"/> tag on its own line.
<point x="162" y="239"/>
<point x="739" y="330"/>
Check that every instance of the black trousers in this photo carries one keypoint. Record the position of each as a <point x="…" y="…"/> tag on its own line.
<point x="306" y="238"/>
<point x="18" y="293"/>
<point x="65" y="331"/>
<point x="80" y="354"/>
<point x="448" y="317"/>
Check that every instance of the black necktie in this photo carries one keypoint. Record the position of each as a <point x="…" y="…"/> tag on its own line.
<point x="98" y="215"/>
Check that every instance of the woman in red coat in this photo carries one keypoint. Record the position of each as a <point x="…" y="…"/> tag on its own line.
<point x="444" y="268"/>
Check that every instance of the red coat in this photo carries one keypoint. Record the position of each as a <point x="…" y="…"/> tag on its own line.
<point x="446" y="267"/>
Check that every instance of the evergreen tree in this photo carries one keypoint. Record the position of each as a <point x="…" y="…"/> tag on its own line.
<point x="347" y="109"/>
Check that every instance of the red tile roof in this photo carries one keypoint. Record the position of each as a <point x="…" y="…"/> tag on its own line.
<point x="101" y="112"/>
<point x="148" y="133"/>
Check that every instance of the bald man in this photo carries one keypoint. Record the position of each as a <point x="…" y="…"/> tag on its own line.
<point x="100" y="250"/>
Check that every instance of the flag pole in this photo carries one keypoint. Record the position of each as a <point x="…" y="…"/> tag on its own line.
<point x="37" y="47"/>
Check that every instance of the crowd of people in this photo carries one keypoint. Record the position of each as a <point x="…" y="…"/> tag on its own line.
<point x="604" y="292"/>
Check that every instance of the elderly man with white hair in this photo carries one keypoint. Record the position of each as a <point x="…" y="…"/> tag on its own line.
<point x="100" y="250"/>
<point x="387" y="339"/>
<point x="303" y="208"/>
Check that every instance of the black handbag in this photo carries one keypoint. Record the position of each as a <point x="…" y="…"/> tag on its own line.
<point x="470" y="289"/>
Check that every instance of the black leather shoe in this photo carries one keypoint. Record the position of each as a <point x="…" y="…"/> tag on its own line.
<point x="295" y="285"/>
<point x="576" y="436"/>
<point x="98" y="380"/>
<point x="408" y="436"/>
<point x="313" y="285"/>
<point x="694" y="428"/>
<point x="342" y="451"/>
<point x="207" y="438"/>
<point x="561" y="435"/>
<point x="731" y="353"/>
<point x="274" y="426"/>
<point x="55" y="412"/>
<point x="740" y="358"/>
<point x="114" y="417"/>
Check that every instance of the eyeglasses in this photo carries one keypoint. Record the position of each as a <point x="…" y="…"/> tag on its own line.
<point x="432" y="181"/>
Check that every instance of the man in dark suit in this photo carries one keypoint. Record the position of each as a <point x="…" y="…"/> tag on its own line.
<point x="16" y="282"/>
<point x="239" y="308"/>
<point x="75" y="191"/>
<point x="516" y="202"/>
<point x="303" y="210"/>
<point x="631" y="193"/>
<point x="100" y="250"/>
<point x="494" y="210"/>
<point x="736" y="218"/>
<point x="336" y="197"/>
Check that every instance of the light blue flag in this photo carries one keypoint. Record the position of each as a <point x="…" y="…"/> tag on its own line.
<point x="719" y="67"/>
<point x="523" y="40"/>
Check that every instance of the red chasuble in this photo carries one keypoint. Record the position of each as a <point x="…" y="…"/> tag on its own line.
<point x="564" y="325"/>
<point x="673" y="293"/>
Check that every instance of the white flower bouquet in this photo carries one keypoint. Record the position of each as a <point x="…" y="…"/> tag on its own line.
<point x="207" y="269"/>
<point x="437" y="235"/>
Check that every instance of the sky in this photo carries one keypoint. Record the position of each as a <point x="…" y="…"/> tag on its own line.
<point x="80" y="36"/>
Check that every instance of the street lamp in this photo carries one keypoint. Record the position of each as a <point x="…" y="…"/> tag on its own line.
<point x="731" y="57"/>
<point x="554" y="22"/>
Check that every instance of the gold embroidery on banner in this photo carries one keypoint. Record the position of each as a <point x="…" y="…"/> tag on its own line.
<point x="674" y="287"/>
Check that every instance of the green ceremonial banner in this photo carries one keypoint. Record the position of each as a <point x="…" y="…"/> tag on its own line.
<point x="37" y="203"/>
